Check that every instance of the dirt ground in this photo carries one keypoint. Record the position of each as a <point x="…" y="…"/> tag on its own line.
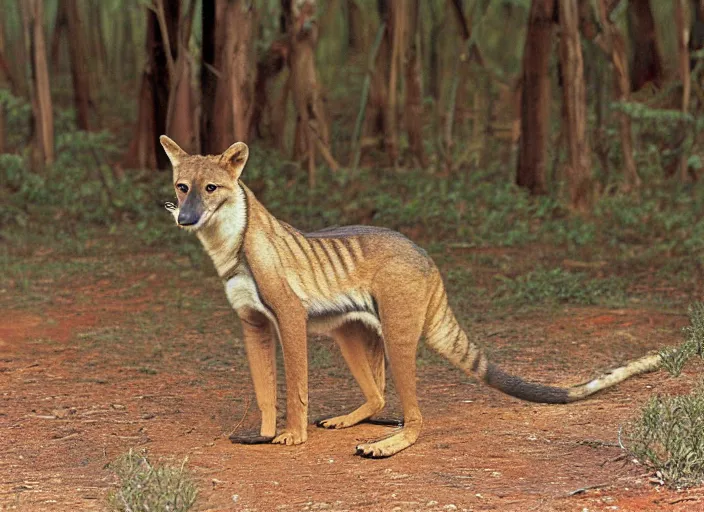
<point x="71" y="405"/>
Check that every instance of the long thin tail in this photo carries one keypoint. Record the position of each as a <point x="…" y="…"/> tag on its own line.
<point x="444" y="335"/>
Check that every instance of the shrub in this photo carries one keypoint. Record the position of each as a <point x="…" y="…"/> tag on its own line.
<point x="145" y="486"/>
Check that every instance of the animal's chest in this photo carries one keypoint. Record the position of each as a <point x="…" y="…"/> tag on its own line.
<point x="241" y="291"/>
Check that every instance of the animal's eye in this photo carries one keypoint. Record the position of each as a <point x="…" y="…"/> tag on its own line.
<point x="210" y="187"/>
<point x="182" y="187"/>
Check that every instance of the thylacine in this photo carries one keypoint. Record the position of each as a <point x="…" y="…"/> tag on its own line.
<point x="373" y="290"/>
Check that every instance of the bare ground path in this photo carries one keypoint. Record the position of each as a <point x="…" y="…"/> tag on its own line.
<point x="106" y="365"/>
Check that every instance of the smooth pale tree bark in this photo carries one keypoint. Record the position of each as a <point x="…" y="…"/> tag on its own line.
<point x="574" y="104"/>
<point x="79" y="69"/>
<point x="647" y="63"/>
<point x="535" y="98"/>
<point x="33" y="16"/>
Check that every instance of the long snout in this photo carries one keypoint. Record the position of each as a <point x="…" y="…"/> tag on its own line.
<point x="191" y="210"/>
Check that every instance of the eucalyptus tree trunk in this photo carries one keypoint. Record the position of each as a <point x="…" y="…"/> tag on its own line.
<point x="241" y="56"/>
<point x="312" y="132"/>
<point x="60" y="23"/>
<point x="536" y="98"/>
<point x="5" y="79"/>
<point x="79" y="69"/>
<point x="414" y="85"/>
<point x="154" y="92"/>
<point x="33" y="16"/>
<point x="357" y="27"/>
<point x="381" y="113"/>
<point x="647" y="63"/>
<point x="155" y="89"/>
<point x="614" y="45"/>
<point x="574" y="104"/>
<point x="208" y="76"/>
<point x="684" y="72"/>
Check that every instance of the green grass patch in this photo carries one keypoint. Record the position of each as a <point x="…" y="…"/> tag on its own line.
<point x="674" y="358"/>
<point x="145" y="486"/>
<point x="669" y="437"/>
<point x="559" y="286"/>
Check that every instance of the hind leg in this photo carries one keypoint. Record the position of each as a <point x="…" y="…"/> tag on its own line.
<point x="402" y="323"/>
<point x="364" y="355"/>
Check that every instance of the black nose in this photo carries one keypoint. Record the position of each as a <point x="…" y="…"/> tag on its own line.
<point x="187" y="218"/>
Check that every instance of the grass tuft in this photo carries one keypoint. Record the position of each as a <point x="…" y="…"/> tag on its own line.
<point x="148" y="487"/>
<point x="669" y="433"/>
<point x="669" y="436"/>
<point x="674" y="358"/>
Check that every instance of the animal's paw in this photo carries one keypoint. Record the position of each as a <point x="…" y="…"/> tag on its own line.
<point x="387" y="446"/>
<point x="336" y="422"/>
<point x="291" y="437"/>
<point x="370" y="451"/>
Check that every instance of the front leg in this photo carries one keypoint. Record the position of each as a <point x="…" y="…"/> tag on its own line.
<point x="293" y="333"/>
<point x="261" y="354"/>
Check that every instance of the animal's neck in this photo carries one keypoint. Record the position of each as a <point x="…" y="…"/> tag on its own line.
<point x="223" y="235"/>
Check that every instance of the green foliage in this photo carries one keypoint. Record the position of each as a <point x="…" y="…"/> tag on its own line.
<point x="148" y="487"/>
<point x="669" y="433"/>
<point x="664" y="135"/>
<point x="674" y="358"/>
<point x="669" y="436"/>
<point x="17" y="115"/>
<point x="559" y="286"/>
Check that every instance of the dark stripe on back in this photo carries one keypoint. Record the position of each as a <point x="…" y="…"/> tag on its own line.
<point x="338" y="251"/>
<point x="333" y="263"/>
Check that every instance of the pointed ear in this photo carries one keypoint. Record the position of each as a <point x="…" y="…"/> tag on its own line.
<point x="173" y="151"/>
<point x="235" y="157"/>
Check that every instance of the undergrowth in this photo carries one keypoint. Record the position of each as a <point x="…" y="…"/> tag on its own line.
<point x="669" y="433"/>
<point x="145" y="486"/>
<point x="674" y="358"/>
<point x="556" y="285"/>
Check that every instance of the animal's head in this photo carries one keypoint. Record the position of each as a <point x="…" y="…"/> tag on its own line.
<point x="204" y="183"/>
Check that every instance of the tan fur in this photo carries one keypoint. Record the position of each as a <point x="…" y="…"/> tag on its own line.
<point x="373" y="290"/>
